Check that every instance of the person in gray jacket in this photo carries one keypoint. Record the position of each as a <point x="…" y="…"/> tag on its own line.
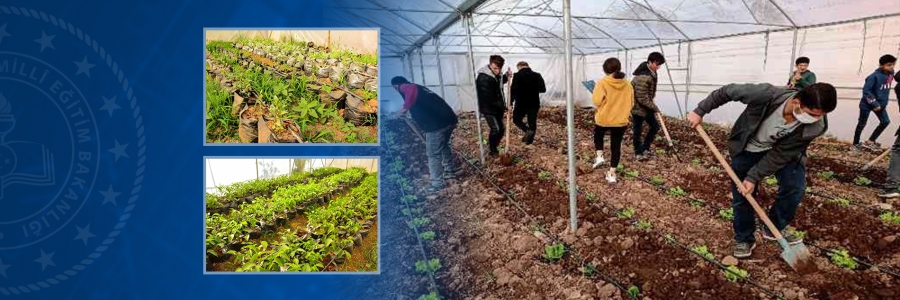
<point x="770" y="138"/>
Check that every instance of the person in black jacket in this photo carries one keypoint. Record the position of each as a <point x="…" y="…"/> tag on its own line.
<point x="645" y="109"/>
<point x="433" y="116"/>
<point x="526" y="88"/>
<point x="489" y="86"/>
<point x="770" y="138"/>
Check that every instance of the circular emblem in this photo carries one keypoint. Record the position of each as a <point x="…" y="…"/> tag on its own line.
<point x="70" y="172"/>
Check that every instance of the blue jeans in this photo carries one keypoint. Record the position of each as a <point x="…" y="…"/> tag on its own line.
<point x="440" y="159"/>
<point x="864" y="112"/>
<point x="791" y="187"/>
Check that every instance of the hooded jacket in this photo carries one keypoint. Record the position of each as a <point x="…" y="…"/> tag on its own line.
<point x="762" y="100"/>
<point x="527" y="86"/>
<point x="807" y="78"/>
<point x="644" y="83"/>
<point x="490" y="92"/>
<point x="614" y="99"/>
<point x="876" y="90"/>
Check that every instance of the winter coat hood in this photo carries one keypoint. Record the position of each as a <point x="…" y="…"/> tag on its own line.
<point x="486" y="70"/>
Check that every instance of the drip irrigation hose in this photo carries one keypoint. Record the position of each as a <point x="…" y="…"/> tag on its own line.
<point x="830" y="198"/>
<point x="716" y="209"/>
<point x="518" y="206"/>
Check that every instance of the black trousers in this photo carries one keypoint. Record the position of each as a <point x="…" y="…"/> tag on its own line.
<point x="641" y="145"/>
<point x="495" y="123"/>
<point x="525" y="113"/>
<point x="615" y="140"/>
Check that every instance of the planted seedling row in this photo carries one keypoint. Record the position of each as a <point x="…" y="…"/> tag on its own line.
<point x="231" y="196"/>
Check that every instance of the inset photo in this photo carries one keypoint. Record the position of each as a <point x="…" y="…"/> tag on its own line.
<point x="291" y="215"/>
<point x="291" y="86"/>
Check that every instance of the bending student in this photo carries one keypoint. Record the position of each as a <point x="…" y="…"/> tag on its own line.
<point x="489" y="86"/>
<point x="613" y="97"/>
<point x="432" y="114"/>
<point x="526" y="101"/>
<point x="876" y="91"/>
<point x="770" y="138"/>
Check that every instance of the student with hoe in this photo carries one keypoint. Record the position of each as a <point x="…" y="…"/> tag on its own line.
<point x="489" y="87"/>
<point x="433" y="116"/>
<point x="645" y="109"/>
<point x="770" y="138"/>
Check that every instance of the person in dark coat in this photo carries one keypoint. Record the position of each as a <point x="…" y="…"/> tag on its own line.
<point x="489" y="86"/>
<point x="770" y="137"/>
<point x="527" y="86"/>
<point x="645" y="109"/>
<point x="433" y="116"/>
<point x="876" y="92"/>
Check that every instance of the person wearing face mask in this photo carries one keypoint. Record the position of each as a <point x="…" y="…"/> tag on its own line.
<point x="770" y="138"/>
<point x="489" y="87"/>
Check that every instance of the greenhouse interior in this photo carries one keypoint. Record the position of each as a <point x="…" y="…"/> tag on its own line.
<point x="546" y="224"/>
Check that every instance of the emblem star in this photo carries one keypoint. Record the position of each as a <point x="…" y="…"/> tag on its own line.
<point x="85" y="233"/>
<point x="3" y="32"/>
<point x="119" y="150"/>
<point x="110" y="105"/>
<point x="45" y="41"/>
<point x="108" y="196"/>
<point x="84" y="67"/>
<point x="45" y="259"/>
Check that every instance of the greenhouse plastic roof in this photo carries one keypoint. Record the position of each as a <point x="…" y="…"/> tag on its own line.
<point x="536" y="26"/>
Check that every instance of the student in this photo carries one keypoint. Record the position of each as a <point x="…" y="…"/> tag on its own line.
<point x="802" y="77"/>
<point x="893" y="180"/>
<point x="526" y="89"/>
<point x="613" y="98"/>
<point x="489" y="86"/>
<point x="433" y="116"/>
<point x="645" y="109"/>
<point x="770" y="138"/>
<point x="875" y="99"/>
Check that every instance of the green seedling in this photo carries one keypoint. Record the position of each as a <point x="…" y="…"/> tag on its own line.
<point x="419" y="222"/>
<point x="733" y="273"/>
<point x="626" y="213"/>
<point x="842" y="259"/>
<point x="862" y="181"/>
<point x="430" y="296"/>
<point x="620" y="168"/>
<point x="588" y="270"/>
<point x="727" y="214"/>
<point x="771" y="181"/>
<point x="703" y="251"/>
<point x="631" y="173"/>
<point x="714" y="169"/>
<point x="660" y="151"/>
<point x="697" y="203"/>
<point x="800" y="234"/>
<point x="840" y="202"/>
<point x="544" y="175"/>
<point x="591" y="197"/>
<point x="643" y="224"/>
<point x="657" y="180"/>
<point x="427" y="236"/>
<point x="428" y="266"/>
<point x="554" y="252"/>
<point x="409" y="199"/>
<point x="634" y="292"/>
<point x="695" y="161"/>
<point x="825" y="175"/>
<point x="890" y="217"/>
<point x="676" y="192"/>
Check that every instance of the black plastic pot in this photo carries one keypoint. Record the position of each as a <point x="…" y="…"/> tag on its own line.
<point x="280" y="220"/>
<point x="291" y="214"/>
<point x="300" y="210"/>
<point x="340" y="260"/>
<point x="255" y="234"/>
<point x="236" y="246"/>
<point x="357" y="240"/>
<point x="364" y="232"/>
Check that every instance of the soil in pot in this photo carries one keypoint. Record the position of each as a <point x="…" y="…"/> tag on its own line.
<point x="357" y="240"/>
<point x="248" y="130"/>
<point x="270" y="133"/>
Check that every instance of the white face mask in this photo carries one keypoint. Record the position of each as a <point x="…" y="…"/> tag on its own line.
<point x="804" y="117"/>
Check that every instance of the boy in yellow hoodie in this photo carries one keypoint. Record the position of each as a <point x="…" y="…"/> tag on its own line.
<point x="613" y="97"/>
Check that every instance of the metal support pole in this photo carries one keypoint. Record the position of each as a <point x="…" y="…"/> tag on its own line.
<point x="468" y="20"/>
<point x="422" y="66"/>
<point x="793" y="55"/>
<point x="766" y="52"/>
<point x="570" y="115"/>
<point x="672" y="83"/>
<point x="256" y="162"/>
<point x="405" y="66"/>
<point x="412" y="75"/>
<point x="862" y="54"/>
<point x="690" y="66"/>
<point x="437" y="53"/>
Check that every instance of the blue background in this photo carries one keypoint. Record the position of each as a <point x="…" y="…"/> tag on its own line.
<point x="159" y="48"/>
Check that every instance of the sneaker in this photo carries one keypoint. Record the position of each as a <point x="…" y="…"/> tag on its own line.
<point x="871" y="145"/>
<point x="639" y="157"/>
<point x="789" y="236"/>
<point x="888" y="194"/>
<point x="743" y="250"/>
<point x="611" y="176"/>
<point x="525" y="137"/>
<point x="530" y="137"/>
<point x="598" y="161"/>
<point x="857" y="148"/>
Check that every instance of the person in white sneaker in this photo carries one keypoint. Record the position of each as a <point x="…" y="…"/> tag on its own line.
<point x="613" y="98"/>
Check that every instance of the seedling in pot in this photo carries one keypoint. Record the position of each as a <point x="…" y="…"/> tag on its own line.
<point x="657" y="180"/>
<point x="727" y="214"/>
<point x="643" y="224"/>
<point x="703" y="251"/>
<point x="427" y="236"/>
<point x="428" y="266"/>
<point x="842" y="259"/>
<point x="554" y="252"/>
<point x="633" y="292"/>
<point x="676" y="192"/>
<point x="826" y="175"/>
<point x="862" y="181"/>
<point x="890" y="217"/>
<point x="626" y="213"/>
<point x="840" y="202"/>
<point x="733" y="273"/>
<point x="544" y="175"/>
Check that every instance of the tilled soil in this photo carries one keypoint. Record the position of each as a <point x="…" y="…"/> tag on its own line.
<point x="696" y="225"/>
